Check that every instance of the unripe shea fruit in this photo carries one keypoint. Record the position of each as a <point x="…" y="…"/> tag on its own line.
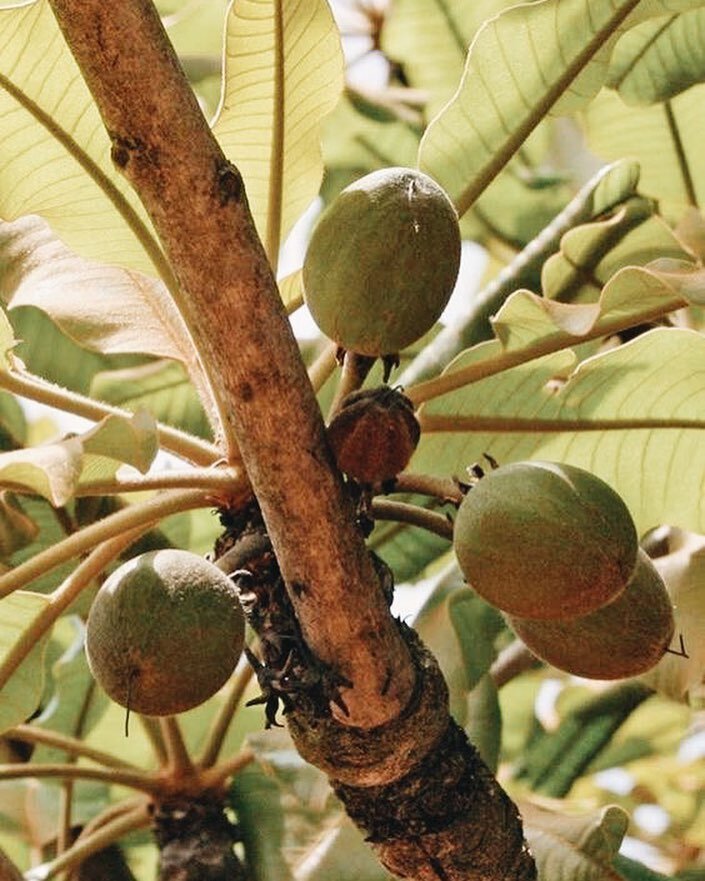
<point x="545" y="540"/>
<point x="624" y="638"/>
<point x="382" y="261"/>
<point x="164" y="632"/>
<point x="374" y="434"/>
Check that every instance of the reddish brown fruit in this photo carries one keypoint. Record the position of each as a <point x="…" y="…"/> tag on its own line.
<point x="374" y="434"/>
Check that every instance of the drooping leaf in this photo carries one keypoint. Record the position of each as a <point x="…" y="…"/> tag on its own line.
<point x="52" y="470"/>
<point x="99" y="306"/>
<point x="659" y="58"/>
<point x="161" y="387"/>
<point x="533" y="59"/>
<point x="632" y="415"/>
<point x="56" y="157"/>
<point x="575" y="847"/>
<point x="283" y="74"/>
<point x="131" y="441"/>
<point x="21" y="694"/>
<point x="665" y="139"/>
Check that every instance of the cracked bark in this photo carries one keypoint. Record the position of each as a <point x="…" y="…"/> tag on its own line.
<point x="198" y="206"/>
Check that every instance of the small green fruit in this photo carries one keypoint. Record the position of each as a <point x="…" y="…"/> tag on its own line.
<point x="625" y="638"/>
<point x="374" y="434"/>
<point x="164" y="632"/>
<point x="545" y="540"/>
<point x="382" y="262"/>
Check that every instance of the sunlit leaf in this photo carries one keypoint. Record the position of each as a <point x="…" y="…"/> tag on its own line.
<point x="132" y="441"/>
<point x="632" y="415"/>
<point x="56" y="152"/>
<point x="21" y="694"/>
<point x="283" y="74"/>
<point x="665" y="139"/>
<point x="51" y="470"/>
<point x="161" y="387"/>
<point x="101" y="307"/>
<point x="533" y="59"/>
<point x="575" y="847"/>
<point x="659" y="58"/>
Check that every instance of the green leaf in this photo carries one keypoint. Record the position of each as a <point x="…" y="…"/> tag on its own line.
<point x="52" y="471"/>
<point x="53" y="526"/>
<point x="683" y="569"/>
<point x="575" y="847"/>
<point x="76" y="702"/>
<point x="130" y="441"/>
<point x="660" y="58"/>
<point x="17" y="530"/>
<point x="21" y="694"/>
<point x="161" y="387"/>
<point x="283" y="74"/>
<point x="665" y="139"/>
<point x="591" y="254"/>
<point x="101" y="307"/>
<point x="630" y="870"/>
<point x="533" y="59"/>
<point x="406" y="549"/>
<point x="56" y="152"/>
<point x="632" y="415"/>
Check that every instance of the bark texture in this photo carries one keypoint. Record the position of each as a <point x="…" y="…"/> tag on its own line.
<point x="366" y="703"/>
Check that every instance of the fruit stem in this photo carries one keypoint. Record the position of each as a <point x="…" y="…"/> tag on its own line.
<point x="323" y="367"/>
<point x="153" y="731"/>
<point x="403" y="512"/>
<point x="137" y="818"/>
<point x="352" y="376"/>
<point x="72" y="745"/>
<point x="62" y="598"/>
<point x="233" y="693"/>
<point x="442" y="488"/>
<point x="179" y="762"/>
<point x="141" y="514"/>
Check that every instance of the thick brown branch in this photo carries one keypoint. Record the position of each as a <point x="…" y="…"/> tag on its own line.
<point x="197" y="203"/>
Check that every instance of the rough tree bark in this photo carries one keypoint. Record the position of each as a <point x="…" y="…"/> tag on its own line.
<point x="404" y="770"/>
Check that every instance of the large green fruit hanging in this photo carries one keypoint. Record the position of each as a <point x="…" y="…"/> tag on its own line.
<point x="545" y="540"/>
<point x="164" y="632"/>
<point x="382" y="262"/>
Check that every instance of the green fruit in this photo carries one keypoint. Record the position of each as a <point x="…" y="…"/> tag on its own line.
<point x="545" y="540"/>
<point x="164" y="632"/>
<point x="625" y="638"/>
<point x="382" y="262"/>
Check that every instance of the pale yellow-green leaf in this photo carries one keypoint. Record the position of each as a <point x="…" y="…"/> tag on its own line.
<point x="7" y="343"/>
<point x="101" y="307"/>
<point x="659" y="58"/>
<point x="632" y="415"/>
<point x="592" y="253"/>
<point x="55" y="156"/>
<point x="575" y="847"/>
<point x="51" y="470"/>
<point x="291" y="289"/>
<point x="131" y="441"/>
<point x="21" y="694"/>
<point x="683" y="570"/>
<point x="283" y="74"/>
<point x="666" y="139"/>
<point x="533" y="59"/>
<point x="17" y="530"/>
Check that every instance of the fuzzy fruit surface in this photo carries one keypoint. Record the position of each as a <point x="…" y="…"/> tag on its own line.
<point x="374" y="434"/>
<point x="625" y="638"/>
<point x="382" y="261"/>
<point x="164" y="632"/>
<point x="545" y="540"/>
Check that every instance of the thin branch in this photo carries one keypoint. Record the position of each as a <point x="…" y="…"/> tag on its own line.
<point x="323" y="367"/>
<point x="442" y="488"/>
<point x="106" y="835"/>
<point x="142" y="780"/>
<point x="33" y="734"/>
<point x="354" y="372"/>
<point x="402" y="512"/>
<point x="218" y="774"/>
<point x="234" y="692"/>
<point x="154" y="734"/>
<point x="679" y="147"/>
<point x="219" y="481"/>
<point x="134" y="517"/>
<point x="179" y="762"/>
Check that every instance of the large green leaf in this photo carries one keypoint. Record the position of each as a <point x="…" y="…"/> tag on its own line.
<point x="633" y="415"/>
<point x="283" y="74"/>
<point x="533" y="59"/>
<point x="666" y="139"/>
<point x="21" y="694"/>
<point x="660" y="58"/>
<point x="55" y="151"/>
<point x="101" y="307"/>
